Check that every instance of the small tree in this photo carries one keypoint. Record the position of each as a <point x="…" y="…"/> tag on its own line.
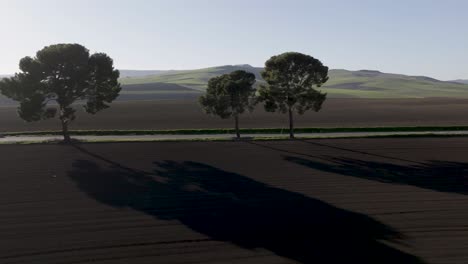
<point x="64" y="74"/>
<point x="230" y="95"/>
<point x="291" y="79"/>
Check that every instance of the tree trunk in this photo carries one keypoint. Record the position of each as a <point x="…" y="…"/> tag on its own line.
<point x="291" y="123"/>
<point x="236" y="118"/>
<point x="66" y="135"/>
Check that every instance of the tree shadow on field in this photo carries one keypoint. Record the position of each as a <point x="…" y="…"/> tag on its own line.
<point x="319" y="144"/>
<point x="442" y="176"/>
<point x="229" y="207"/>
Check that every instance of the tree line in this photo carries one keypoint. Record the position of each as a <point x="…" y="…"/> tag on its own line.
<point x="67" y="73"/>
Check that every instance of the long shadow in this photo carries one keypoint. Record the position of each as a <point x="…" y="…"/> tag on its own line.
<point x="265" y="146"/>
<point x="443" y="176"/>
<point x="230" y="207"/>
<point x="358" y="151"/>
<point x="327" y="146"/>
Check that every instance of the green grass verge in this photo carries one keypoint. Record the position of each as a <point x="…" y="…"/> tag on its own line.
<point x="243" y="131"/>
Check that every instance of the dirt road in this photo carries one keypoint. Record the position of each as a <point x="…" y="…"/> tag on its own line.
<point x="142" y="138"/>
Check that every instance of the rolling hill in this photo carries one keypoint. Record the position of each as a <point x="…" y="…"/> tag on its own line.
<point x="342" y="83"/>
<point x="189" y="84"/>
<point x="375" y="84"/>
<point x="461" y="81"/>
<point x="196" y="79"/>
<point x="139" y="73"/>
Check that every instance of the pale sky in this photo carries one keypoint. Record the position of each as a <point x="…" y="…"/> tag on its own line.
<point x="416" y="37"/>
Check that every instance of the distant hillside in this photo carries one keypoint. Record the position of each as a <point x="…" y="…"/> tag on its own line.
<point x="342" y="83"/>
<point x="461" y="81"/>
<point x="138" y="73"/>
<point x="375" y="84"/>
<point x="162" y="87"/>
<point x="156" y="91"/>
<point x="177" y="84"/>
<point x="196" y="79"/>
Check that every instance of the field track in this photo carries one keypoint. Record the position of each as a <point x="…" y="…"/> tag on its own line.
<point x="223" y="137"/>
<point x="315" y="201"/>
<point x="187" y="114"/>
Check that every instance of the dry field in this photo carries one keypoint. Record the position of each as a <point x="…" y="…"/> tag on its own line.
<point x="316" y="201"/>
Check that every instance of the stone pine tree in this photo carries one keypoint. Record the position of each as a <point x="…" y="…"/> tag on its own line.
<point x="230" y="95"/>
<point x="59" y="76"/>
<point x="291" y="85"/>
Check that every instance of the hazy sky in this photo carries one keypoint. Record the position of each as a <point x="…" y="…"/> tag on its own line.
<point x="426" y="37"/>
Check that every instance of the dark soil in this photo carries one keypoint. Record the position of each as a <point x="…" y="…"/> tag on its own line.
<point x="316" y="201"/>
<point x="187" y="114"/>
